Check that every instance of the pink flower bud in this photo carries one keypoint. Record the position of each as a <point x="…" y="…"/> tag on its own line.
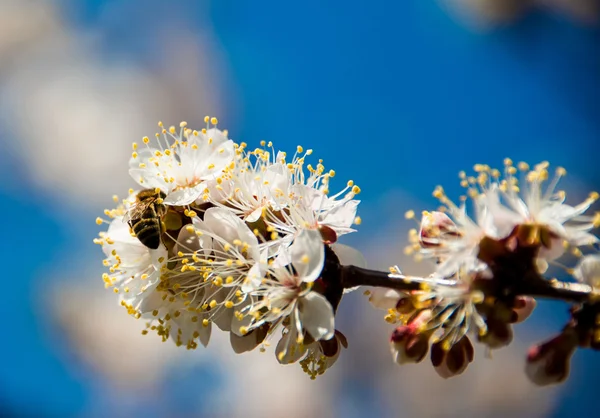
<point x="548" y="363"/>
<point x="524" y="306"/>
<point x="408" y="343"/>
<point x="408" y="347"/>
<point x="435" y="226"/>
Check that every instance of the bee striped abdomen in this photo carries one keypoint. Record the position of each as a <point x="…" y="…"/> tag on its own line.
<point x="148" y="229"/>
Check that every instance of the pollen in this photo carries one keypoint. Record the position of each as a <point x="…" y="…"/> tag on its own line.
<point x="596" y="220"/>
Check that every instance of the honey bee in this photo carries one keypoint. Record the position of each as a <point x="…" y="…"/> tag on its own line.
<point x="145" y="217"/>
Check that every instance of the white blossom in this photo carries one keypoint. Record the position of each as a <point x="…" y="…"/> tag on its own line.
<point x="243" y="238"/>
<point x="254" y="185"/>
<point x="588" y="270"/>
<point x="134" y="269"/>
<point x="528" y="202"/>
<point x="286" y="296"/>
<point x="452" y="304"/>
<point x="499" y="205"/>
<point x="181" y="169"/>
<point x="172" y="319"/>
<point x="219" y="262"/>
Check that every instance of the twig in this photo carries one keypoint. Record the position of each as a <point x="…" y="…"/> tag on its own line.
<point x="353" y="276"/>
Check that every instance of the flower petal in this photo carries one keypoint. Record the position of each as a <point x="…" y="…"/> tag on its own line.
<point x="307" y="254"/>
<point x="226" y="225"/>
<point x="316" y="315"/>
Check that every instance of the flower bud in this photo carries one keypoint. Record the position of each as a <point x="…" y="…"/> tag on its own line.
<point x="452" y="362"/>
<point x="408" y="343"/>
<point x="435" y="226"/>
<point x="548" y="363"/>
<point x="405" y="305"/>
<point x="499" y="333"/>
<point x="383" y="298"/>
<point x="522" y="309"/>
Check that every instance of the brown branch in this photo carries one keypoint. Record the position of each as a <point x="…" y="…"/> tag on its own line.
<point x="353" y="276"/>
<point x="567" y="291"/>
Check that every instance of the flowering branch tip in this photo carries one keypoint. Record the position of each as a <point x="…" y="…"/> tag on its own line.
<point x="220" y="235"/>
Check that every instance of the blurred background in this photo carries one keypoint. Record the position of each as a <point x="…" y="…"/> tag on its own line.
<point x="397" y="95"/>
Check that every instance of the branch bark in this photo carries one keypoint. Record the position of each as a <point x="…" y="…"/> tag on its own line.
<point x="353" y="276"/>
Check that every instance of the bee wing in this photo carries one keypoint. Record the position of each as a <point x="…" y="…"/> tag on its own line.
<point x="135" y="211"/>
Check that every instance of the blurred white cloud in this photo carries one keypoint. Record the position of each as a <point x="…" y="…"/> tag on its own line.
<point x="71" y="112"/>
<point x="108" y="340"/>
<point x="23" y="23"/>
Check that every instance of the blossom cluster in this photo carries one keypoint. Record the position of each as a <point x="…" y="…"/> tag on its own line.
<point x="220" y="235"/>
<point x="486" y="262"/>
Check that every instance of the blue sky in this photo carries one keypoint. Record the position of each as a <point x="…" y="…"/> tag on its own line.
<point x="395" y="95"/>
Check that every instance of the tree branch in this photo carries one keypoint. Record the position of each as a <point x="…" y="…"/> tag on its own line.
<point x="353" y="276"/>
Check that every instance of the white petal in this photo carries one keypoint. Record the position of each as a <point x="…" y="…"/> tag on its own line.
<point x="308" y="255"/>
<point x="385" y="298"/>
<point x="243" y="344"/>
<point x="579" y="238"/>
<point x="288" y="350"/>
<point x="204" y="332"/>
<point x="158" y="257"/>
<point x="255" y="215"/>
<point x="349" y="256"/>
<point x="255" y="276"/>
<point x="224" y="318"/>
<point x="588" y="270"/>
<point x="341" y="216"/>
<point x="316" y="315"/>
<point x="229" y="227"/>
<point x="213" y="152"/>
<point x="185" y="196"/>
<point x="153" y="301"/>
<point x="236" y="323"/>
<point x="184" y="323"/>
